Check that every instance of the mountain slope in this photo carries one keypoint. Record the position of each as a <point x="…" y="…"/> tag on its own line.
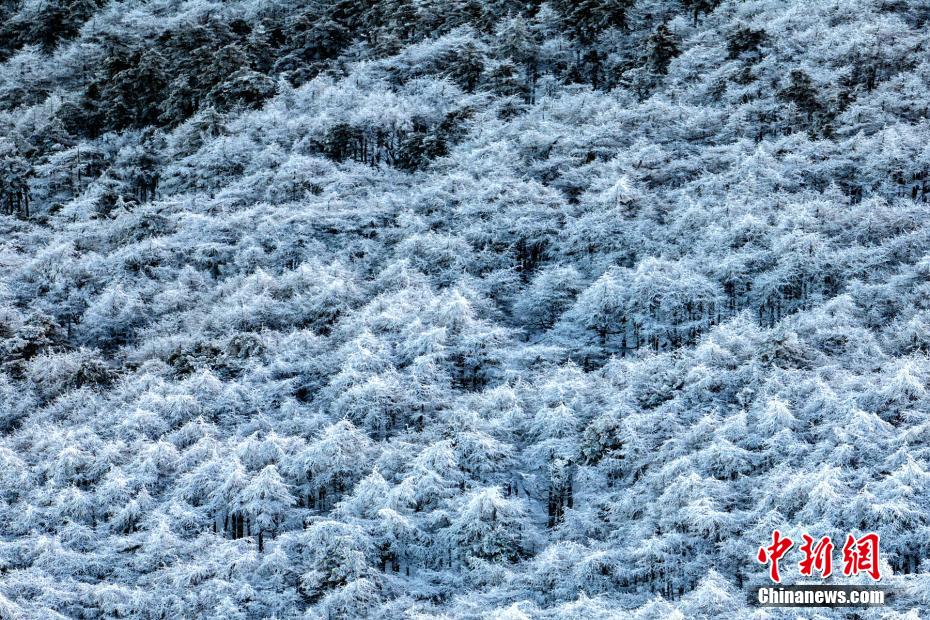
<point x="455" y="309"/>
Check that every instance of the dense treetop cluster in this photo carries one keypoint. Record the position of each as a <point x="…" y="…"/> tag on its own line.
<point x="414" y="309"/>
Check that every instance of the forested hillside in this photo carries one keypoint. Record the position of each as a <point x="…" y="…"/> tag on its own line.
<point x="411" y="309"/>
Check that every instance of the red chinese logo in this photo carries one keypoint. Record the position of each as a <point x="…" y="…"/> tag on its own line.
<point x="860" y="555"/>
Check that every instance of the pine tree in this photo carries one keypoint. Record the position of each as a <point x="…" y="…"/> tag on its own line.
<point x="266" y="498"/>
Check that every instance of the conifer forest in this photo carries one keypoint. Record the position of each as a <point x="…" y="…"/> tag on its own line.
<point x="461" y="309"/>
